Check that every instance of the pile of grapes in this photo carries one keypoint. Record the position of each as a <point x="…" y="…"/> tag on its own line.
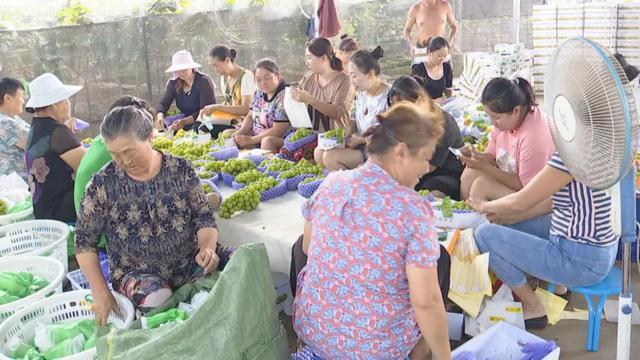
<point x="246" y="199"/>
<point x="207" y="188"/>
<point x="162" y="143"/>
<point x="423" y="193"/>
<point x="205" y="174"/>
<point x="277" y="165"/>
<point x="237" y="166"/>
<point x="188" y="150"/>
<point x="301" y="134"/>
<point x="214" y="165"/>
<point x="336" y="134"/>
<point x="222" y="137"/>
<point x="448" y="206"/>
<point x="304" y="166"/>
<point x="263" y="184"/>
<point x="312" y="179"/>
<point x="250" y="176"/>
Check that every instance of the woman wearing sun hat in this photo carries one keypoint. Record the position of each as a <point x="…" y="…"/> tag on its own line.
<point x="52" y="152"/>
<point x="191" y="90"/>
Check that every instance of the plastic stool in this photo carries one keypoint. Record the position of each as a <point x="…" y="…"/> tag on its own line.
<point x="611" y="285"/>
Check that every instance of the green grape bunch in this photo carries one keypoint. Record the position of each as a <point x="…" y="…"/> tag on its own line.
<point x="301" y="134"/>
<point x="423" y="193"/>
<point x="312" y="179"/>
<point x="461" y="205"/>
<point x="237" y="166"/>
<point x="162" y="143"/>
<point x="263" y="184"/>
<point x="205" y="174"/>
<point x="221" y="139"/>
<point x="207" y="188"/>
<point x="277" y="165"/>
<point x="250" y="176"/>
<point x="215" y="165"/>
<point x="336" y="134"/>
<point x="246" y="199"/>
<point x="302" y="167"/>
<point x="481" y="125"/>
<point x="3" y="207"/>
<point x="482" y="143"/>
<point x="448" y="206"/>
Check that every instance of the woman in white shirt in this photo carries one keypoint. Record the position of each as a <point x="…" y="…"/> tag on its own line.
<point x="371" y="100"/>
<point x="236" y="82"/>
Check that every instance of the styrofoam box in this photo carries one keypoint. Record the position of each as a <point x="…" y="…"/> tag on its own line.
<point x="501" y="342"/>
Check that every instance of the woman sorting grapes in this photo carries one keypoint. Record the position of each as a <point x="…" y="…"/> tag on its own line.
<point x="159" y="226"/>
<point x="370" y="286"/>
<point x="266" y="123"/>
<point x="519" y="145"/>
<point x="325" y="88"/>
<point x="371" y="100"/>
<point x="443" y="177"/>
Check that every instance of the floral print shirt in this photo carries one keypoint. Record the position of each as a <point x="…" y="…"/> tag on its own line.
<point x="12" y="130"/>
<point x="353" y="297"/>
<point x="150" y="226"/>
<point x="51" y="179"/>
<point x="265" y="111"/>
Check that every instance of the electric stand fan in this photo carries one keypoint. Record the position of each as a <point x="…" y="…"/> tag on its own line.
<point x="595" y="129"/>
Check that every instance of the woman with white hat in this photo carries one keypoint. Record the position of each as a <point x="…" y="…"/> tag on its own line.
<point x="191" y="90"/>
<point x="52" y="152"/>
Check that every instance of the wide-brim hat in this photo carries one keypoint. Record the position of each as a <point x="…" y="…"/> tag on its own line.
<point x="47" y="90"/>
<point x="182" y="60"/>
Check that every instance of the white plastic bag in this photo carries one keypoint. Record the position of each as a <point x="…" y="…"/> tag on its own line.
<point x="12" y="181"/>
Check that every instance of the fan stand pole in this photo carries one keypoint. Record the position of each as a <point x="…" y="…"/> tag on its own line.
<point x="628" y="215"/>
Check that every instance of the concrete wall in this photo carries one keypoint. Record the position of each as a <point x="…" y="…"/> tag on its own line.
<point x="129" y="56"/>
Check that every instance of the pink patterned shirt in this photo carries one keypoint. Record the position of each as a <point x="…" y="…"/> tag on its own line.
<point x="353" y="296"/>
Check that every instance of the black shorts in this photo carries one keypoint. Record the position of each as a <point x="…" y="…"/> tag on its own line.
<point x="445" y="183"/>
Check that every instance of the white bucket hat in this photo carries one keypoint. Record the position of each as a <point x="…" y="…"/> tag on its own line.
<point x="182" y="60"/>
<point x="47" y="89"/>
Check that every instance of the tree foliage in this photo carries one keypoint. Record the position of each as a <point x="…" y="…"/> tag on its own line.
<point x="74" y="13"/>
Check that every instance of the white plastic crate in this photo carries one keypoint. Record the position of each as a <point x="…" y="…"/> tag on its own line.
<point x="19" y="216"/>
<point x="36" y="238"/>
<point x="43" y="267"/>
<point x="74" y="305"/>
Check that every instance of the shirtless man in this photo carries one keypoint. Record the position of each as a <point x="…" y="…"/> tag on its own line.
<point x="430" y="18"/>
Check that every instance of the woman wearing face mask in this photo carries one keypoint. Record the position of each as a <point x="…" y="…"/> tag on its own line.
<point x="52" y="153"/>
<point x="190" y="89"/>
<point x="371" y="100"/>
<point x="519" y="145"/>
<point x="436" y="72"/>
<point x="325" y="88"/>
<point x="267" y="122"/>
<point x="375" y="264"/>
<point x="159" y="227"/>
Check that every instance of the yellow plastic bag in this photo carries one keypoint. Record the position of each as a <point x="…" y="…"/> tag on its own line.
<point x="470" y="280"/>
<point x="553" y="304"/>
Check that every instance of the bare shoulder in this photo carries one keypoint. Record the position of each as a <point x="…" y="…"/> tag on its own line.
<point x="415" y="8"/>
<point x="444" y="4"/>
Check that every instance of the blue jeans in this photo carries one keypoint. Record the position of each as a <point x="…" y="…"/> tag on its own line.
<point x="528" y="248"/>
